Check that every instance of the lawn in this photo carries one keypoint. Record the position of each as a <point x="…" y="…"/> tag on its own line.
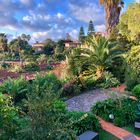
<point x="133" y="130"/>
<point x="104" y="135"/>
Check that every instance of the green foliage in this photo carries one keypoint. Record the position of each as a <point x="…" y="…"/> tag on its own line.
<point x="129" y="23"/>
<point x="138" y="110"/>
<point x="8" y="113"/>
<point x="49" y="82"/>
<point x="136" y="91"/>
<point x="91" y="27"/>
<point x="131" y="83"/>
<point x="17" y="88"/>
<point x="31" y="67"/>
<point x="123" y="110"/>
<point x="49" y="67"/>
<point x="99" y="55"/>
<point x="81" y="34"/>
<point x="60" y="46"/>
<point x="82" y="122"/>
<point x="72" y="87"/>
<point x="4" y="66"/>
<point x="49" y="47"/>
<point x="3" y="41"/>
<point x="107" y="81"/>
<point x="47" y="113"/>
<point x="132" y="74"/>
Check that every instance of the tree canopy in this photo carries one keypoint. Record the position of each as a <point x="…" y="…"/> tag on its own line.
<point x="129" y="25"/>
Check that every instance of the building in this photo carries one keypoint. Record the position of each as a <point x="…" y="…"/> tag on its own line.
<point x="103" y="34"/>
<point x="38" y="47"/>
<point x="71" y="44"/>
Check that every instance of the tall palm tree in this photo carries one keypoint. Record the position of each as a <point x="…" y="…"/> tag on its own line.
<point x="112" y="9"/>
<point x="99" y="55"/>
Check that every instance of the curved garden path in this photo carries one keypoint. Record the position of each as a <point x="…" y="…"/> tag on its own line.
<point x="84" y="101"/>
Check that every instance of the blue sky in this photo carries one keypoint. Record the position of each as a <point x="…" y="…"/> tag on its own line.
<point x="50" y="18"/>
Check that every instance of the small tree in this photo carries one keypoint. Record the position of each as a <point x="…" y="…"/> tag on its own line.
<point x="81" y="34"/>
<point x="90" y="27"/>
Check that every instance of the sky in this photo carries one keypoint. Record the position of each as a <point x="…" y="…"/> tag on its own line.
<point x="50" y="18"/>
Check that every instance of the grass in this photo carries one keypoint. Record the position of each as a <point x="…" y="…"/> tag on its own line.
<point x="104" y="135"/>
<point x="133" y="130"/>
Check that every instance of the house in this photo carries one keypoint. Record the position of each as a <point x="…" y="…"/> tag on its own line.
<point x="71" y="44"/>
<point x="38" y="47"/>
<point x="103" y="34"/>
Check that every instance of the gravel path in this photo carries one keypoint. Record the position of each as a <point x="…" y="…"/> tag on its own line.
<point x="84" y="102"/>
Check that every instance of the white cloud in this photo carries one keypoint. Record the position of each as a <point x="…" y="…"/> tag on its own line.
<point x="89" y="12"/>
<point x="100" y="28"/>
<point x="60" y="16"/>
<point x="137" y="1"/>
<point x="74" y="34"/>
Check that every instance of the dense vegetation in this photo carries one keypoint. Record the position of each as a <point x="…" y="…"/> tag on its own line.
<point x="35" y="109"/>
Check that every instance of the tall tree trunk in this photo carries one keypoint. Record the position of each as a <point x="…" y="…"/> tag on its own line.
<point x="112" y="16"/>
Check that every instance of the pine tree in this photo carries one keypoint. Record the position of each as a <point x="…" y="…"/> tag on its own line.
<point x="91" y="27"/>
<point x="81" y="34"/>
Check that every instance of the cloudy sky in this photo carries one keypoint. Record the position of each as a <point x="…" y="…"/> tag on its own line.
<point x="50" y="18"/>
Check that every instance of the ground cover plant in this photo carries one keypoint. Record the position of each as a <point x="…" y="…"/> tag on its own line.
<point x="123" y="110"/>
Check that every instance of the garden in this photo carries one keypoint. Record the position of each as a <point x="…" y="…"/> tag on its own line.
<point x="64" y="92"/>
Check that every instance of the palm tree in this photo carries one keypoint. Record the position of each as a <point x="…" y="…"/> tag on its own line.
<point x="3" y="41"/>
<point x="112" y="9"/>
<point x="99" y="55"/>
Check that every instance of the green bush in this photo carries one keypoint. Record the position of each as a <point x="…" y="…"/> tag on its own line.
<point x="136" y="91"/>
<point x="31" y="67"/>
<point x="72" y="87"/>
<point x="82" y="122"/>
<point x="5" y="66"/>
<point x="132" y="72"/>
<point x="17" y="88"/>
<point x="47" y="115"/>
<point x="49" y="67"/>
<point x="123" y="110"/>
<point x="44" y="83"/>
<point x="131" y="83"/>
<point x="8" y="113"/>
<point x="88" y="82"/>
<point x="107" y="81"/>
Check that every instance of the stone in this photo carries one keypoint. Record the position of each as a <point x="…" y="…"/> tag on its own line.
<point x="137" y="125"/>
<point x="89" y="135"/>
<point x="129" y="137"/>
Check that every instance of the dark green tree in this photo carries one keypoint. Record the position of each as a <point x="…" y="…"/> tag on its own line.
<point x="90" y="27"/>
<point x="50" y="46"/>
<point x="81" y="34"/>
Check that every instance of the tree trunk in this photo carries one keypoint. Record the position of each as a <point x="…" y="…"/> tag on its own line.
<point x="112" y="16"/>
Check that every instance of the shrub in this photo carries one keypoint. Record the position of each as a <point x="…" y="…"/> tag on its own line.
<point x="131" y="83"/>
<point x="47" y="115"/>
<point x="132" y="73"/>
<point x="72" y="87"/>
<point x="49" y="67"/>
<point x="16" y="68"/>
<point x="17" y="88"/>
<point x="48" y="82"/>
<point x="31" y="67"/>
<point x="88" y="82"/>
<point x="5" y="66"/>
<point x="136" y="91"/>
<point x="82" y="122"/>
<point x="123" y="110"/>
<point x="8" y="113"/>
<point x="107" y="81"/>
